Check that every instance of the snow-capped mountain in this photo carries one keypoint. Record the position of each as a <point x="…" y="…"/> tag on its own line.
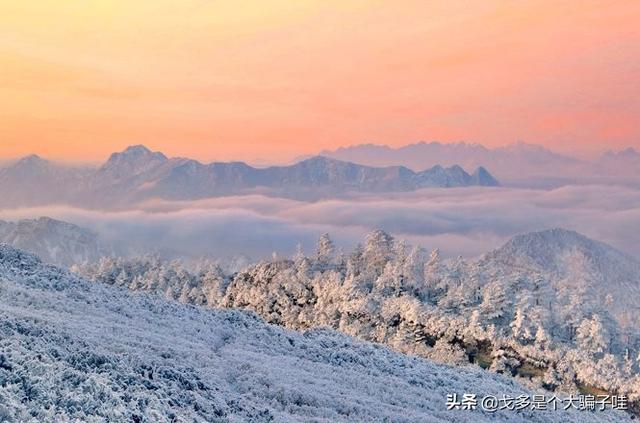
<point x="78" y="351"/>
<point x="575" y="262"/>
<point x="54" y="241"/>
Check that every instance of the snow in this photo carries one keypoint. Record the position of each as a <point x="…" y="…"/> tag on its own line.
<point x="548" y="329"/>
<point x="574" y="262"/>
<point x="72" y="350"/>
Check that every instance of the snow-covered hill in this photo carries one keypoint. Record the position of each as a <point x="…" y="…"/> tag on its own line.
<point x="54" y="241"/>
<point x="574" y="262"/>
<point x="71" y="350"/>
<point x="548" y="328"/>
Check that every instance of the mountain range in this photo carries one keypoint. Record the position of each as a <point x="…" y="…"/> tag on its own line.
<point x="137" y="174"/>
<point x="517" y="164"/>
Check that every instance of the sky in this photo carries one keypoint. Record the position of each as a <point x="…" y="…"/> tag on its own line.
<point x="258" y="80"/>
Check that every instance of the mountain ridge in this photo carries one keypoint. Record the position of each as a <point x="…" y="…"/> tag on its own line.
<point x="517" y="164"/>
<point x="137" y="174"/>
<point x="501" y="160"/>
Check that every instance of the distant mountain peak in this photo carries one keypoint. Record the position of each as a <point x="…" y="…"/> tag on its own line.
<point x="140" y="151"/>
<point x="31" y="157"/>
<point x="482" y="177"/>
<point x="31" y="160"/>
<point x="137" y="149"/>
<point x="134" y="159"/>
<point x="320" y="159"/>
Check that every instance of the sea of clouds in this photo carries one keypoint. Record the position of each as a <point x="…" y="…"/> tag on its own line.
<point x="460" y="221"/>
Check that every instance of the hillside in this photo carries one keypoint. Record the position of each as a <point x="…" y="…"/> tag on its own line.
<point x="551" y="330"/>
<point x="54" y="241"/>
<point x="574" y="263"/>
<point x="76" y="350"/>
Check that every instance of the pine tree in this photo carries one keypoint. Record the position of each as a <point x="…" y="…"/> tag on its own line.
<point x="325" y="251"/>
<point x="591" y="336"/>
<point x="432" y="275"/>
<point x="494" y="301"/>
<point x="378" y="250"/>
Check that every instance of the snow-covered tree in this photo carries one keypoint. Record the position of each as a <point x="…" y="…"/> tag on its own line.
<point x="325" y="251"/>
<point x="386" y="291"/>
<point x="378" y="251"/>
<point x="591" y="335"/>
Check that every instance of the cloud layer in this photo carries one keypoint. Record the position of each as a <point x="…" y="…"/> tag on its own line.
<point x="466" y="221"/>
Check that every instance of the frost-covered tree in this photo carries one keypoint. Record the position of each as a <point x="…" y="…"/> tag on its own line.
<point x="522" y="328"/>
<point x="451" y="310"/>
<point x="299" y="254"/>
<point x="325" y="251"/>
<point x="591" y="336"/>
<point x="433" y="276"/>
<point x="378" y="251"/>
<point x="494" y="304"/>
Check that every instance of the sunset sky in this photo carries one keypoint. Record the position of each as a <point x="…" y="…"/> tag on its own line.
<point x="269" y="80"/>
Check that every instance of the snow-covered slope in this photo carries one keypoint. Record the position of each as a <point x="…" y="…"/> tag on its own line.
<point x="575" y="262"/>
<point x="54" y="241"/>
<point x="71" y="350"/>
